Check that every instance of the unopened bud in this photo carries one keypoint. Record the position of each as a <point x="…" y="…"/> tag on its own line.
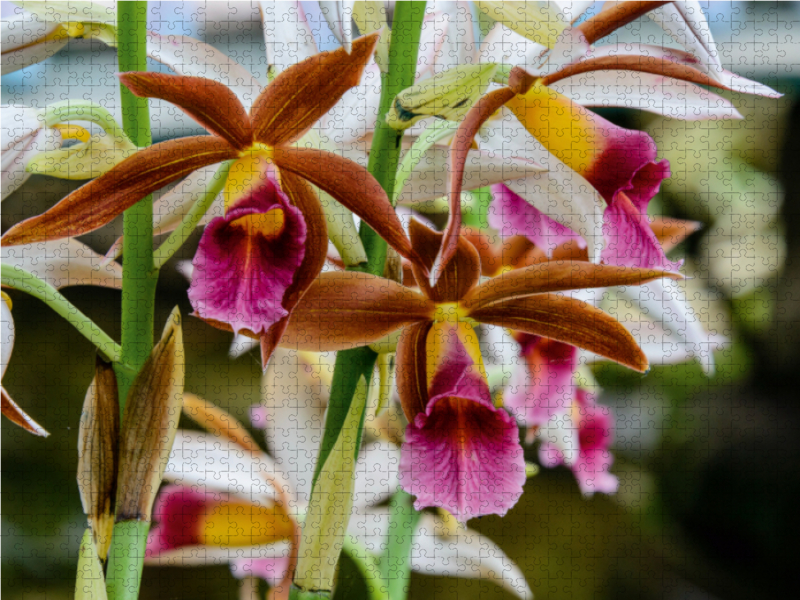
<point x="149" y="424"/>
<point x="98" y="447"/>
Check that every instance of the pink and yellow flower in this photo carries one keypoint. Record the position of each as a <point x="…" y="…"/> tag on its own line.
<point x="462" y="453"/>
<point x="275" y="238"/>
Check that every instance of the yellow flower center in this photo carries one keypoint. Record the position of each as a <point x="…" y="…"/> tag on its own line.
<point x="268" y="225"/>
<point x="246" y="172"/>
<point x="451" y="319"/>
<point x="233" y="524"/>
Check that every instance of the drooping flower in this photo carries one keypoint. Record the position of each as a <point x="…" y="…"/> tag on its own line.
<point x="542" y="386"/>
<point x="598" y="177"/>
<point x="592" y="457"/>
<point x="461" y="453"/>
<point x="284" y="111"/>
<point x="347" y="309"/>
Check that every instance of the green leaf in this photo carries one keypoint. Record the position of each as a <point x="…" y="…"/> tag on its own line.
<point x="331" y="502"/>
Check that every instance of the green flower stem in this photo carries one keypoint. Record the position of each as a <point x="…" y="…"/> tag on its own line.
<point x="396" y="562"/>
<point x="38" y="288"/>
<point x="126" y="558"/>
<point x="193" y="217"/>
<point x="385" y="151"/>
<point x="139" y="277"/>
<point x="351" y="365"/>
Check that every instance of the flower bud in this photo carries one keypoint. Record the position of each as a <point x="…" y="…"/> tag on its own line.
<point x="149" y="424"/>
<point x="98" y="446"/>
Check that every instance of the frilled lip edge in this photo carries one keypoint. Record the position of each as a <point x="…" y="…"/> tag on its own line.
<point x="241" y="274"/>
<point x="462" y="453"/>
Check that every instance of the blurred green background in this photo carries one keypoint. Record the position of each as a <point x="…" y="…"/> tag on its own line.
<point x="707" y="506"/>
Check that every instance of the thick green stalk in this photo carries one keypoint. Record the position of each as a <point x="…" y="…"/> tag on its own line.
<point x="139" y="276"/>
<point x="351" y="365"/>
<point x="384" y="154"/>
<point x="126" y="558"/>
<point x="395" y="562"/>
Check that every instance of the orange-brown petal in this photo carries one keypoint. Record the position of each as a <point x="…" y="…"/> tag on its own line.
<point x="614" y="16"/>
<point x="353" y="186"/>
<point x="566" y="320"/>
<point x="18" y="416"/>
<point x="557" y="276"/>
<point x="412" y="359"/>
<point x="461" y="273"/>
<point x="349" y="309"/>
<point x="208" y="102"/>
<point x="99" y="201"/>
<point x="303" y="93"/>
<point x="462" y="141"/>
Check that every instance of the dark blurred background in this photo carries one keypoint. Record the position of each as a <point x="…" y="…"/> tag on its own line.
<point x="707" y="506"/>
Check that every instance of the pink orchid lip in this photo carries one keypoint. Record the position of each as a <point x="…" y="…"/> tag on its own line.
<point x="595" y="428"/>
<point x="542" y="387"/>
<point x="511" y="215"/>
<point x="630" y="241"/>
<point x="247" y="260"/>
<point x="178" y="511"/>
<point x="462" y="453"/>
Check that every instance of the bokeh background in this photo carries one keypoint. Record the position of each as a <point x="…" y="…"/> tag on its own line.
<point x="710" y="483"/>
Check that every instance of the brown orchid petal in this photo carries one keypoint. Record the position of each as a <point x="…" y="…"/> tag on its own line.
<point x="348" y="309"/>
<point x="671" y="232"/>
<point x="18" y="416"/>
<point x="208" y="102"/>
<point x="656" y="65"/>
<point x="411" y="358"/>
<point x="569" y="250"/>
<point x="353" y="186"/>
<point x="99" y="201"/>
<point x="495" y="257"/>
<point x="460" y="275"/>
<point x="613" y="17"/>
<point x="270" y="340"/>
<point x="462" y="141"/>
<point x="304" y="198"/>
<point x="566" y="320"/>
<point x="557" y="276"/>
<point x="303" y="93"/>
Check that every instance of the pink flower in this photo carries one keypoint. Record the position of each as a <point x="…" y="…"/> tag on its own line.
<point x="247" y="260"/>
<point x="542" y="386"/>
<point x="462" y="453"/>
<point x="595" y="432"/>
<point x="630" y="241"/>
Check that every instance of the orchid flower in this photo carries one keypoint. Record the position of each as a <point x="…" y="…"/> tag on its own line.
<point x="32" y="140"/>
<point x="346" y="309"/>
<point x="288" y="212"/>
<point x="586" y="451"/>
<point x="247" y="513"/>
<point x="661" y="318"/>
<point x="609" y="173"/>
